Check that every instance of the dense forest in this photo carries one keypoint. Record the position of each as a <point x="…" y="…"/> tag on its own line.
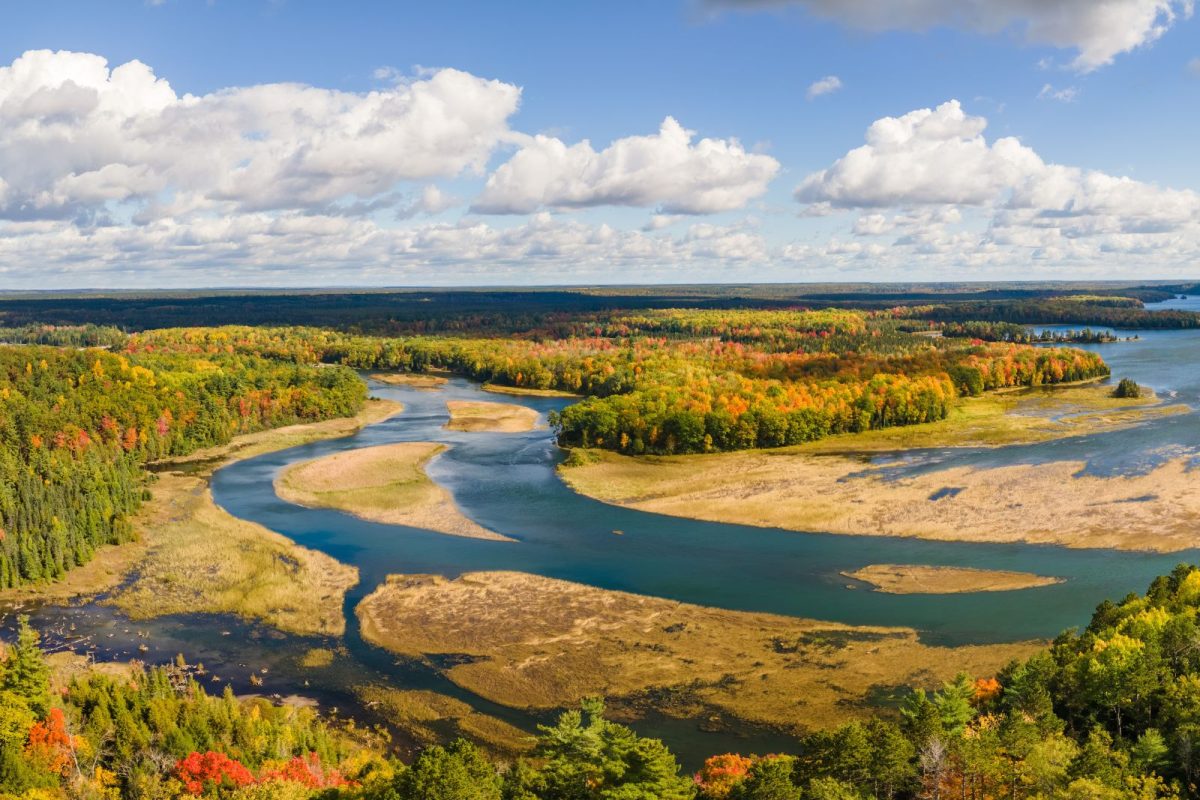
<point x="1117" y="312"/>
<point x="673" y="381"/>
<point x="1108" y="713"/>
<point x="492" y="312"/>
<point x="77" y="424"/>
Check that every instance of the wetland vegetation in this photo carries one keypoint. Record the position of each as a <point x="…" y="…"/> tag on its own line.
<point x="796" y="410"/>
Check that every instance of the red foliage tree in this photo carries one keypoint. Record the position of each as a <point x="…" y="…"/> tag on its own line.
<point x="198" y="771"/>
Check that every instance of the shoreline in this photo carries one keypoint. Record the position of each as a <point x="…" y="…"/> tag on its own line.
<point x="539" y="643"/>
<point x="179" y="494"/>
<point x="842" y="485"/>
<point x="386" y="483"/>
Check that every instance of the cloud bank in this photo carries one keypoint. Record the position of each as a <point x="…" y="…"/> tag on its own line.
<point x="666" y="170"/>
<point x="1098" y="30"/>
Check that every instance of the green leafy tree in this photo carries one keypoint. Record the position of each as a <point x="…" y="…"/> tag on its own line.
<point x="586" y="756"/>
<point x="25" y="673"/>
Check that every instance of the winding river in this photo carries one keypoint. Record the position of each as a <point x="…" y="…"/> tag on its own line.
<point x="507" y="482"/>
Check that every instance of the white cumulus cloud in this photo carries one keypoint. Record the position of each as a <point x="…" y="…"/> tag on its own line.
<point x="932" y="182"/>
<point x="928" y="156"/>
<point x="75" y="133"/>
<point x="667" y="170"/>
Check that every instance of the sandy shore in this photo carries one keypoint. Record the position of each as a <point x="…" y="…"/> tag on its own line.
<point x="528" y="641"/>
<point x="383" y="484"/>
<point x="416" y="380"/>
<point x="482" y="417"/>
<point x="922" y="579"/>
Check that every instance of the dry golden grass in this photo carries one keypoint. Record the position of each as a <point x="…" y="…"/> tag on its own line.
<point x="384" y="484"/>
<point x="431" y="718"/>
<point x="202" y="559"/>
<point x="923" y="579"/>
<point x="528" y="641"/>
<point x="1044" y="503"/>
<point x="825" y="486"/>
<point x="480" y="416"/>
<point x="415" y="380"/>
<point x="521" y="391"/>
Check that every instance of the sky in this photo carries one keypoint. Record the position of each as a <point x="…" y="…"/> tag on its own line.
<point x="214" y="143"/>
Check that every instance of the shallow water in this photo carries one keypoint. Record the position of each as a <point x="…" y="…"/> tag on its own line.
<point x="507" y="482"/>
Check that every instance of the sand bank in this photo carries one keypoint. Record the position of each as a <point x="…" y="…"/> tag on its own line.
<point x="383" y="484"/>
<point x="480" y="416"/>
<point x="923" y="579"/>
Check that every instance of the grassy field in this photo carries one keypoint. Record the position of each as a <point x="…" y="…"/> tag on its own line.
<point x="918" y="579"/>
<point x="432" y="718"/>
<point x="201" y="559"/>
<point x="521" y="391"/>
<point x="480" y="416"/>
<point x="831" y="486"/>
<point x="415" y="380"/>
<point x="533" y="642"/>
<point x="384" y="484"/>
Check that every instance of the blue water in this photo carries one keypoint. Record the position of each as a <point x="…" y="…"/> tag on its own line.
<point x="507" y="482"/>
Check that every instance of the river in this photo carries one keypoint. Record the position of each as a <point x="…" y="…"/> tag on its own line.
<point x="507" y="482"/>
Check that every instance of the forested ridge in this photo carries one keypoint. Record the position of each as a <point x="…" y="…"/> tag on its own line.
<point x="77" y="425"/>
<point x="676" y="381"/>
<point x="1111" y="712"/>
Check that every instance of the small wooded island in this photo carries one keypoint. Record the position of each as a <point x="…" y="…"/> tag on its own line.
<point x="872" y="416"/>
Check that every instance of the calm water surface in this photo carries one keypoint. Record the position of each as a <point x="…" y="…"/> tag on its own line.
<point x="507" y="482"/>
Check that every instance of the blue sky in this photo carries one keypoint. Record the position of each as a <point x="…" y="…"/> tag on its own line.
<point x="1097" y="178"/>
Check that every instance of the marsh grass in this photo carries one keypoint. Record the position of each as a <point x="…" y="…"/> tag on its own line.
<point x="541" y="643"/>
<point x="924" y="579"/>
<point x="430" y="718"/>
<point x="202" y="559"/>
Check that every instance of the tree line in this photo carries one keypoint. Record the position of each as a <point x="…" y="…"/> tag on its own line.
<point x="77" y="426"/>
<point x="655" y="394"/>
